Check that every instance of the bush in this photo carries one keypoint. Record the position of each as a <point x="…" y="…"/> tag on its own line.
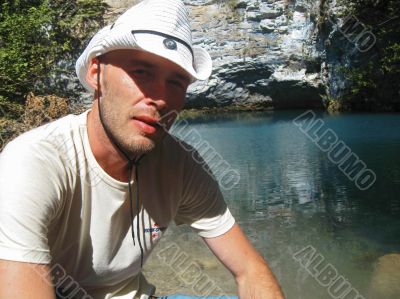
<point x="37" y="111"/>
<point x="375" y="79"/>
<point x="38" y="41"/>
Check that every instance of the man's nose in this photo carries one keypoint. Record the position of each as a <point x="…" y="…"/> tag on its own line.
<point x="157" y="93"/>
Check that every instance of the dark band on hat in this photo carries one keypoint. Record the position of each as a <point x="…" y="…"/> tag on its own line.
<point x="166" y="36"/>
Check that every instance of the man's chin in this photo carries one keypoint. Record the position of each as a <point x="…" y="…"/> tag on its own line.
<point x="142" y="145"/>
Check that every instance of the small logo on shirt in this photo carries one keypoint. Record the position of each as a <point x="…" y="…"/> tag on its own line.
<point x="155" y="230"/>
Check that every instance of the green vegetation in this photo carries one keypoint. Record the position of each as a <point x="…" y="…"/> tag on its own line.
<point x="375" y="80"/>
<point x="38" y="40"/>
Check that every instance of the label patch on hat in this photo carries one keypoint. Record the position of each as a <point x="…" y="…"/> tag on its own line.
<point x="170" y="44"/>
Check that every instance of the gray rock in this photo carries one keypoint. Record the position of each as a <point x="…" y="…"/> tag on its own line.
<point x="268" y="13"/>
<point x="283" y="29"/>
<point x="267" y="25"/>
<point x="241" y="4"/>
<point x="255" y="16"/>
<point x="301" y="7"/>
<point x="252" y="7"/>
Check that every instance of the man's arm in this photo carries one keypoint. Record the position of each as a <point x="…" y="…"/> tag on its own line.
<point x="24" y="280"/>
<point x="253" y="276"/>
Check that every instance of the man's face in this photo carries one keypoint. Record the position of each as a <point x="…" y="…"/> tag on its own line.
<point x="137" y="89"/>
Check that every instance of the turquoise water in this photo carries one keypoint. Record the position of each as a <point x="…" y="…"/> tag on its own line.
<point x="291" y="196"/>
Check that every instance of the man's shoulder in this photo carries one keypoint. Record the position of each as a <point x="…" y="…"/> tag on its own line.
<point x="177" y="145"/>
<point x="175" y="149"/>
<point x="180" y="152"/>
<point x="45" y="137"/>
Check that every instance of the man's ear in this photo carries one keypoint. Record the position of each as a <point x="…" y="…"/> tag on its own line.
<point x="91" y="75"/>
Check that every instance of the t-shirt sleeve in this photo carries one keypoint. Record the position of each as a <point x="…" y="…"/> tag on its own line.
<point x="29" y="199"/>
<point x="203" y="206"/>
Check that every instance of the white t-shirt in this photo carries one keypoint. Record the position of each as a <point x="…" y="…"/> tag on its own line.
<point x="59" y="207"/>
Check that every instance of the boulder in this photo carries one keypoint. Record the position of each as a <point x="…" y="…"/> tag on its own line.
<point x="385" y="283"/>
<point x="267" y="25"/>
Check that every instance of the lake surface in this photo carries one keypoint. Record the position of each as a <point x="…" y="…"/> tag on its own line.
<point x="305" y="214"/>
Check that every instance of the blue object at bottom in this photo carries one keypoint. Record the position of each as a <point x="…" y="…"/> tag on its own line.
<point x="178" y="296"/>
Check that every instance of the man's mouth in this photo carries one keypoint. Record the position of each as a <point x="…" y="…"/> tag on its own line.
<point x="148" y="124"/>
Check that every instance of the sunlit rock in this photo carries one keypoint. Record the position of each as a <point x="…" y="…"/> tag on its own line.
<point x="386" y="277"/>
<point x="267" y="25"/>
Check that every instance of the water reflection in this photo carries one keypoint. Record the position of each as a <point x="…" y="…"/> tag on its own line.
<point x="290" y="195"/>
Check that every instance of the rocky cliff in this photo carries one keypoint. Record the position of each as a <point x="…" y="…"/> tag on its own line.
<point x="266" y="53"/>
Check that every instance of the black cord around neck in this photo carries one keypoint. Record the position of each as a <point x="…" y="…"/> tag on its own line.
<point x="138" y="209"/>
<point x="131" y="163"/>
<point x="130" y="166"/>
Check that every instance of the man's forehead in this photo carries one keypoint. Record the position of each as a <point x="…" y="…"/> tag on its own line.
<point x="122" y="55"/>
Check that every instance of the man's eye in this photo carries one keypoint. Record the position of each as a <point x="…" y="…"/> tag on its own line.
<point x="175" y="82"/>
<point x="178" y="83"/>
<point x="140" y="72"/>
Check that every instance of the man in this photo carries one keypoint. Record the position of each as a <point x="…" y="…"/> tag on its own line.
<point x="79" y="196"/>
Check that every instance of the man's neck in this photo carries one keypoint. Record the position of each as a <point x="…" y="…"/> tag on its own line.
<point x="111" y="160"/>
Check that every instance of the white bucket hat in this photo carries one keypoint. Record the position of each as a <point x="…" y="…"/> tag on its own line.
<point x="158" y="26"/>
